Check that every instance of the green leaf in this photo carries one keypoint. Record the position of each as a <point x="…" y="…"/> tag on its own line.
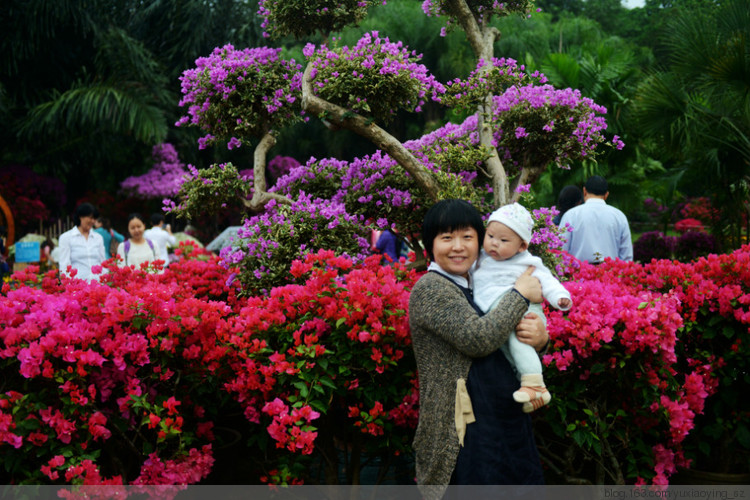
<point x="326" y="381"/>
<point x="704" y="447"/>
<point x="319" y="405"/>
<point x="579" y="438"/>
<point x="597" y="446"/>
<point x="728" y="332"/>
<point x="302" y="387"/>
<point x="743" y="436"/>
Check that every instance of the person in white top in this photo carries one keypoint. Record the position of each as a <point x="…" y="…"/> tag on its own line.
<point x="81" y="248"/>
<point x="137" y="249"/>
<point x="504" y="257"/>
<point x="161" y="237"/>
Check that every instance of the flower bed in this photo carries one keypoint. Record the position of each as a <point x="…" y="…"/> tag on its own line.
<point x="129" y="381"/>
<point x="649" y="368"/>
<point x="121" y="382"/>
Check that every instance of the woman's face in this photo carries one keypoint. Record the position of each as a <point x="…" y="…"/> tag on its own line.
<point x="87" y="223"/>
<point x="456" y="252"/>
<point x="136" y="229"/>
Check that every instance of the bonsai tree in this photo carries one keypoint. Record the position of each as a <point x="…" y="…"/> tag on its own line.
<point x="520" y="126"/>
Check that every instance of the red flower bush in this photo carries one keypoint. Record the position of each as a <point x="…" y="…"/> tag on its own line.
<point x="664" y="378"/>
<point x="123" y="381"/>
<point x="337" y="338"/>
<point x="685" y="225"/>
<point x="138" y="360"/>
<point x="97" y="368"/>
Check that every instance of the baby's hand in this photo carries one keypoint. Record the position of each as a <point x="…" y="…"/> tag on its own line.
<point x="564" y="303"/>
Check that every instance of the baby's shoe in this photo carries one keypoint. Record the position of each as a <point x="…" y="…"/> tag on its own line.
<point x="533" y="394"/>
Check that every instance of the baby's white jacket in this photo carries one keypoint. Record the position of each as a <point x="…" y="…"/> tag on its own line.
<point x="492" y="278"/>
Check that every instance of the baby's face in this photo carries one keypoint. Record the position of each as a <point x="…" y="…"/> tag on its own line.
<point x="501" y="242"/>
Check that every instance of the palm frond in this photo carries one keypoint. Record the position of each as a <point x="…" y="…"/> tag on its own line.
<point x="562" y="70"/>
<point x="102" y="107"/>
<point x="661" y="106"/>
<point x="28" y="25"/>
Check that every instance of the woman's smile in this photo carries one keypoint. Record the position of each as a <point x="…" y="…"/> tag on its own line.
<point x="457" y="251"/>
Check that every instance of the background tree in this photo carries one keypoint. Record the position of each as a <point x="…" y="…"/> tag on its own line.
<point x="89" y="87"/>
<point x="698" y="108"/>
<point x="358" y="87"/>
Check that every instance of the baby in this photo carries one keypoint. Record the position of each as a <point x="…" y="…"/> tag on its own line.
<point x="503" y="259"/>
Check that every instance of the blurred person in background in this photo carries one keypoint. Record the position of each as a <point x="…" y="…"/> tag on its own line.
<point x="111" y="237"/>
<point x="82" y="248"/>
<point x="161" y="234"/>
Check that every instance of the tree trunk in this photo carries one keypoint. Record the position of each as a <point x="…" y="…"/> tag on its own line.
<point x="482" y="39"/>
<point x="260" y="195"/>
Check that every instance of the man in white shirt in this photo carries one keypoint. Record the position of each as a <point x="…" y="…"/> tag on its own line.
<point x="598" y="230"/>
<point x="81" y="248"/>
<point x="160" y="237"/>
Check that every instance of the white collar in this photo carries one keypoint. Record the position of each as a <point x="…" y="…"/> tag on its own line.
<point x="596" y="200"/>
<point x="459" y="280"/>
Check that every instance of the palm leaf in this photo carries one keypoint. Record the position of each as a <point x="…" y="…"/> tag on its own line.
<point x="562" y="70"/>
<point x="661" y="107"/>
<point x="103" y="107"/>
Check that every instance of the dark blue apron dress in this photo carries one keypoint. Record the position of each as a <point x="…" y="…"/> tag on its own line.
<point x="499" y="447"/>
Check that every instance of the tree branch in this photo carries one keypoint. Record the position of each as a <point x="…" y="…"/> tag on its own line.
<point x="482" y="41"/>
<point x="528" y="175"/>
<point x="359" y="125"/>
<point x="260" y="196"/>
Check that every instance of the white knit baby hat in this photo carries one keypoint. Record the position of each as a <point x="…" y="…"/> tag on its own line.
<point x="515" y="217"/>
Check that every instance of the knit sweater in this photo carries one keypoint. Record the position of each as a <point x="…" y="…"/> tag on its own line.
<point x="447" y="333"/>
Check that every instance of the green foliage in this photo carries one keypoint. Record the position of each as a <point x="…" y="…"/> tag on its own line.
<point x="483" y="10"/>
<point x="375" y="79"/>
<point x="698" y="108"/>
<point x="285" y="17"/>
<point x="456" y="157"/>
<point x="195" y="27"/>
<point x="272" y="242"/>
<point x="86" y="107"/>
<point x="91" y="85"/>
<point x="210" y="191"/>
<point x="605" y="12"/>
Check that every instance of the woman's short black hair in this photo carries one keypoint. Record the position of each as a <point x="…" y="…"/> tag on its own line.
<point x="447" y="216"/>
<point x="136" y="215"/>
<point x="84" y="210"/>
<point x="570" y="196"/>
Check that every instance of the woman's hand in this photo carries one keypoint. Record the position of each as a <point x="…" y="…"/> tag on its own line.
<point x="531" y="330"/>
<point x="528" y="286"/>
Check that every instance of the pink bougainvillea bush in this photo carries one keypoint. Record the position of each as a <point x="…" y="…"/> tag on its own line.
<point x="650" y="369"/>
<point x="121" y="382"/>
<point x="106" y="383"/>
<point x="129" y="381"/>
<point x="163" y="179"/>
<point x="327" y="360"/>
